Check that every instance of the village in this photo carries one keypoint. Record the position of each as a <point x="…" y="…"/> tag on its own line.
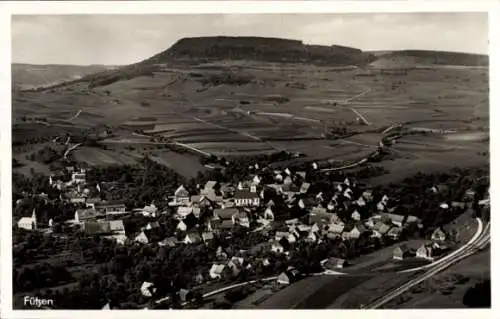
<point x="253" y="207"/>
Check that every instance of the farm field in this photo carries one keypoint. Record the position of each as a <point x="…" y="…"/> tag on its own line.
<point x="100" y="157"/>
<point x="268" y="114"/>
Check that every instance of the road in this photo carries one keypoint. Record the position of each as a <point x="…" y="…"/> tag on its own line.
<point x="478" y="243"/>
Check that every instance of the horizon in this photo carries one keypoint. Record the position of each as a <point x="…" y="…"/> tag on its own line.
<point x="116" y="40"/>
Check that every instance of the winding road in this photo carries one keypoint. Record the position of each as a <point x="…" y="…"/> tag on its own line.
<point x="480" y="240"/>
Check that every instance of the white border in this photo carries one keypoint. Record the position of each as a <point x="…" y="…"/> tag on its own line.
<point x="194" y="7"/>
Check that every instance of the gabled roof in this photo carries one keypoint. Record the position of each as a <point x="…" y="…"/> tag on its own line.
<point x="116" y="225"/>
<point x="88" y="213"/>
<point x="210" y="184"/>
<point x="207" y="236"/>
<point x="217" y="268"/>
<point x="381" y="227"/>
<point x="242" y="194"/>
<point x="394" y="217"/>
<point x="194" y="236"/>
<point x="225" y="213"/>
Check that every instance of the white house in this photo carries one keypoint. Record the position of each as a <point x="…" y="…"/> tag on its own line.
<point x="181" y="196"/>
<point x="147" y="289"/>
<point x="28" y="223"/>
<point x="181" y="226"/>
<point x="356" y="216"/>
<point x="245" y="198"/>
<point x="216" y="271"/>
<point x="142" y="238"/>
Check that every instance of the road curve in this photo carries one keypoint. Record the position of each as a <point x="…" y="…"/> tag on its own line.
<point x="467" y="250"/>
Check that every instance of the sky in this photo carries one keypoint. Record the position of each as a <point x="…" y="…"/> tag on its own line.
<point x="125" y="39"/>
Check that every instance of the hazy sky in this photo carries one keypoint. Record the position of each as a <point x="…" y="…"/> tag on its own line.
<point x="123" y="39"/>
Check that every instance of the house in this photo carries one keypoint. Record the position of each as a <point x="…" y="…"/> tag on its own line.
<point x="412" y="219"/>
<point x="334" y="263"/>
<point x="335" y="228"/>
<point x="287" y="277"/>
<point x="116" y="226"/>
<point x="169" y="242"/>
<point x="119" y="238"/>
<point x="207" y="236"/>
<point x="356" y="232"/>
<point x="400" y="252"/>
<point x="225" y="213"/>
<point x="241" y="218"/>
<point x="268" y="214"/>
<point x="235" y="264"/>
<point x="394" y="232"/>
<point x="426" y="252"/>
<point x="469" y="195"/>
<point x="192" y="238"/>
<point x="304" y="188"/>
<point x="311" y="237"/>
<point x="142" y="238"/>
<point x="87" y="214"/>
<point x="149" y="211"/>
<point x="216" y="271"/>
<point x="181" y="226"/>
<point x="78" y="177"/>
<point x="320" y="216"/>
<point x="28" y="223"/>
<point x="76" y="198"/>
<point x="356" y="216"/>
<point x="151" y="225"/>
<point x="381" y="228"/>
<point x="395" y="219"/>
<point x="438" y="235"/>
<point x="148" y="289"/>
<point x="277" y="248"/>
<point x="185" y="295"/>
<point x="183" y="211"/>
<point x="367" y="195"/>
<point x="458" y="205"/>
<point x="91" y="202"/>
<point x="246" y="198"/>
<point x="96" y="227"/>
<point x="181" y="196"/>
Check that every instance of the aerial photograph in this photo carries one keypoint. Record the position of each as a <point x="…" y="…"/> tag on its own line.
<point x="250" y="161"/>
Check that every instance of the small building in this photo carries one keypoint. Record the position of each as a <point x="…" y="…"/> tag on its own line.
<point x="147" y="289"/>
<point x="149" y="210"/>
<point x="426" y="252"/>
<point x="217" y="271"/>
<point x="181" y="226"/>
<point x="225" y="213"/>
<point x="438" y="235"/>
<point x="394" y="233"/>
<point x="183" y="211"/>
<point x="356" y="216"/>
<point x="287" y="277"/>
<point x="142" y="238"/>
<point x="87" y="214"/>
<point x="168" y="242"/>
<point x="277" y="248"/>
<point x="400" y="252"/>
<point x="207" y="236"/>
<point x="185" y="295"/>
<point x="181" y="196"/>
<point x="334" y="263"/>
<point x="395" y="219"/>
<point x="96" y="227"/>
<point x="192" y="238"/>
<point x="28" y="223"/>
<point x="304" y="188"/>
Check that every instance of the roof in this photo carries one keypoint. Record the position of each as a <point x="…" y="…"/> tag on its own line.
<point x="241" y="194"/>
<point x="394" y="217"/>
<point x="210" y="184"/>
<point x="403" y="248"/>
<point x="381" y="227"/>
<point x="194" y="236"/>
<point x="225" y="213"/>
<point x="395" y="231"/>
<point x="184" y="211"/>
<point x="26" y="220"/>
<point x="217" y="268"/>
<point x="207" y="236"/>
<point x="93" y="200"/>
<point x="115" y="225"/>
<point x="96" y="227"/>
<point x="87" y="213"/>
<point x="181" y="191"/>
<point x="335" y="228"/>
<point x="169" y="241"/>
<point x="225" y="224"/>
<point x="108" y="204"/>
<point x="334" y="262"/>
<point x="150" y="209"/>
<point x="304" y="187"/>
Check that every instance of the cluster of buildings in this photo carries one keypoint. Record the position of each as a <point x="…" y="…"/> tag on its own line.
<point x="347" y="213"/>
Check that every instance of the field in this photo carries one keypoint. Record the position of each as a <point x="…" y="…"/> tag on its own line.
<point x="269" y="115"/>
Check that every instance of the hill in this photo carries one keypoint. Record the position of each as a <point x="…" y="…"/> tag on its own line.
<point x="31" y="75"/>
<point x="416" y="58"/>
